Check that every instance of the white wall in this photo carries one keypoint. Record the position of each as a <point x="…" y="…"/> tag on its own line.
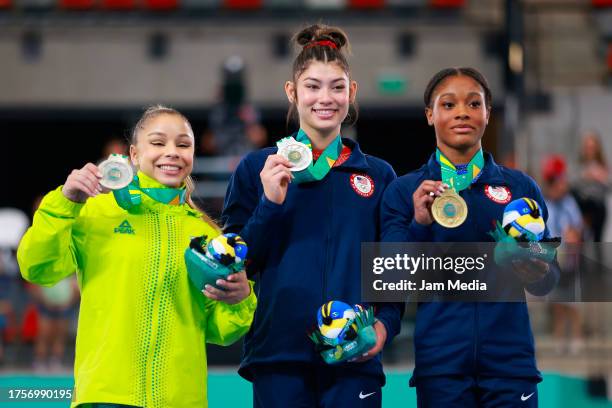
<point x="95" y="65"/>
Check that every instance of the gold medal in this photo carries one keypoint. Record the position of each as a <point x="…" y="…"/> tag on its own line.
<point x="449" y="209"/>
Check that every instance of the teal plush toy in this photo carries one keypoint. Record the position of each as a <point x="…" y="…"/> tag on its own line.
<point x="509" y="249"/>
<point x="209" y="261"/>
<point x="520" y="237"/>
<point x="344" y="332"/>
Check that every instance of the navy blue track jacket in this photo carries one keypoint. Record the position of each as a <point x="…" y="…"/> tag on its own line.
<point x="488" y="339"/>
<point x="306" y="252"/>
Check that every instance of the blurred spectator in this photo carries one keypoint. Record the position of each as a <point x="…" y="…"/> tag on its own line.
<point x="55" y="306"/>
<point x="114" y="145"/>
<point x="565" y="221"/>
<point x="591" y="189"/>
<point x="53" y="309"/>
<point x="234" y="127"/>
<point x="13" y="224"/>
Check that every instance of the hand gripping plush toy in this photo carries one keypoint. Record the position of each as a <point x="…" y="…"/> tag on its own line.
<point x="520" y="235"/>
<point x="208" y="261"/>
<point x="344" y="332"/>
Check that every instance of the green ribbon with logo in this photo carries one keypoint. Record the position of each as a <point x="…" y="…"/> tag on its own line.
<point x="131" y="196"/>
<point x="460" y="176"/>
<point x="318" y="170"/>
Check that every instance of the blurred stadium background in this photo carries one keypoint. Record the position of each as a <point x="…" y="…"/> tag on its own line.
<point x="75" y="75"/>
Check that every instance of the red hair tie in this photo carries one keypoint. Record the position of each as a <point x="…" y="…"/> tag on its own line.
<point x="322" y="43"/>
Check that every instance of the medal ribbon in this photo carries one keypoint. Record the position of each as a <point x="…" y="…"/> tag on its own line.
<point x="318" y="170"/>
<point x="460" y="176"/>
<point x="130" y="196"/>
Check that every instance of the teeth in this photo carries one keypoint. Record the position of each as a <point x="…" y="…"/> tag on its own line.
<point x="324" y="112"/>
<point x="169" y="167"/>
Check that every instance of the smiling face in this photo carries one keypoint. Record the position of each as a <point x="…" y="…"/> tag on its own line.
<point x="459" y="114"/>
<point x="164" y="149"/>
<point x="322" y="94"/>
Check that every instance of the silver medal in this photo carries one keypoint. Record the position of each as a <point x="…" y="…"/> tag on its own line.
<point x="117" y="173"/>
<point x="296" y="152"/>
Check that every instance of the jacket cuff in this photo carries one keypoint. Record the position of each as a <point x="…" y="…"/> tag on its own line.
<point x="420" y="233"/>
<point x="267" y="209"/>
<point x="57" y="204"/>
<point x="385" y="316"/>
<point x="246" y="306"/>
<point x="269" y="205"/>
<point x="547" y="283"/>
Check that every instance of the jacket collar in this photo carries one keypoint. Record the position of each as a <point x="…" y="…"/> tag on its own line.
<point x="491" y="173"/>
<point x="357" y="160"/>
<point x="148" y="202"/>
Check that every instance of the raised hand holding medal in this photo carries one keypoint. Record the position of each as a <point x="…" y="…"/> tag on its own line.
<point x="114" y="173"/>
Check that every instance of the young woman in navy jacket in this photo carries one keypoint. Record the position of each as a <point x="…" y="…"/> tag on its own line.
<point x="467" y="354"/>
<point x="304" y="236"/>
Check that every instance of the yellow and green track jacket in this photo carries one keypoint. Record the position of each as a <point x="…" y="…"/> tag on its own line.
<point x="142" y="325"/>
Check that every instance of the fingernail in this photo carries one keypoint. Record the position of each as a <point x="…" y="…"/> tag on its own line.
<point x="219" y="281"/>
<point x="99" y="174"/>
<point x="206" y="287"/>
<point x="431" y="194"/>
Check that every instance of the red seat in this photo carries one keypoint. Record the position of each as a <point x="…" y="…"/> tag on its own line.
<point x="119" y="4"/>
<point x="5" y="4"/>
<point x="77" y="4"/>
<point x="447" y="3"/>
<point x="601" y="3"/>
<point x="242" y="4"/>
<point x="161" y="4"/>
<point x="366" y="4"/>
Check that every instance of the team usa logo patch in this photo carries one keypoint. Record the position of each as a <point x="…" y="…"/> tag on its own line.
<point x="362" y="184"/>
<point x="498" y="194"/>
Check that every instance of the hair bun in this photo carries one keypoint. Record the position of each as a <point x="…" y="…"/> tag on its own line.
<point x="322" y="32"/>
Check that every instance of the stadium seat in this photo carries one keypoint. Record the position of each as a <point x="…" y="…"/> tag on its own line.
<point x="601" y="3"/>
<point x="119" y="4"/>
<point x="5" y="4"/>
<point x="366" y="4"/>
<point x="161" y="4"/>
<point x="242" y="4"/>
<point x="77" y="4"/>
<point x="447" y="3"/>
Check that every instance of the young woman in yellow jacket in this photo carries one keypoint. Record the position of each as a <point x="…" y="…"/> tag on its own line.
<point x="142" y="325"/>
